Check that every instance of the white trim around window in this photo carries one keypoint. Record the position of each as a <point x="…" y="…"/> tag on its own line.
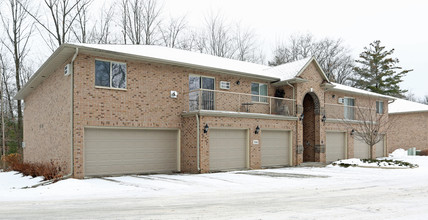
<point x="102" y="84"/>
<point x="256" y="98"/>
<point x="380" y="107"/>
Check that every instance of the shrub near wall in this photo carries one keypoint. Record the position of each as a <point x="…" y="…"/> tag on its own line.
<point x="48" y="170"/>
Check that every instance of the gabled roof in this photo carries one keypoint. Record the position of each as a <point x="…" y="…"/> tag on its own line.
<point x="292" y="70"/>
<point x="401" y="106"/>
<point x="148" y="53"/>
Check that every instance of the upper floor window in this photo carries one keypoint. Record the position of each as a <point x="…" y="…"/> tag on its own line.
<point x="379" y="107"/>
<point x="258" y="89"/>
<point x="110" y="74"/>
<point x="349" y="104"/>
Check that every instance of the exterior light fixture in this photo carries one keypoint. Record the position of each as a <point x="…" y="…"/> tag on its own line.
<point x="257" y="130"/>
<point x="206" y="128"/>
<point x="238" y="82"/>
<point x="301" y="117"/>
<point x="352" y="132"/>
<point x="323" y="118"/>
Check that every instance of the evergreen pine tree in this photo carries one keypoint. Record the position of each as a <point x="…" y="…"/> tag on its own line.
<point x="378" y="72"/>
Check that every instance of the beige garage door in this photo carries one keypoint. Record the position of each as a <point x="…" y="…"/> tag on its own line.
<point x="127" y="151"/>
<point x="380" y="148"/>
<point x="275" y="148"/>
<point x="335" y="146"/>
<point x="361" y="149"/>
<point x="228" y="149"/>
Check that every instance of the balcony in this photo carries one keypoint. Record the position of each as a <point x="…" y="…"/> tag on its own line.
<point x="350" y="113"/>
<point x="232" y="102"/>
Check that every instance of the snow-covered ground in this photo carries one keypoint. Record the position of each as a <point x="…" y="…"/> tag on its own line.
<point x="287" y="193"/>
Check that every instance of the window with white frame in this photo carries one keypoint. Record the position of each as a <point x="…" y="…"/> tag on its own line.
<point x="379" y="107"/>
<point x="258" y="89"/>
<point x="349" y="104"/>
<point x="110" y="74"/>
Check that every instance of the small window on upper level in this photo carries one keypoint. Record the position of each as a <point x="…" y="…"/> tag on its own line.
<point x="258" y="89"/>
<point x="349" y="104"/>
<point x="379" y="107"/>
<point x="110" y="74"/>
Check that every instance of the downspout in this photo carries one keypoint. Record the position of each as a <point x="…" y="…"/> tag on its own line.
<point x="197" y="142"/>
<point x="72" y="115"/>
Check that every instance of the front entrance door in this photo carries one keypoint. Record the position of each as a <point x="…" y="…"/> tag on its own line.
<point x="201" y="99"/>
<point x="308" y="129"/>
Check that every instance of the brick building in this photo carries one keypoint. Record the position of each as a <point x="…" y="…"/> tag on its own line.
<point x="410" y="128"/>
<point x="122" y="109"/>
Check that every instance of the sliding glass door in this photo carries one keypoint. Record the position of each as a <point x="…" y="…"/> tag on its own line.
<point x="207" y="97"/>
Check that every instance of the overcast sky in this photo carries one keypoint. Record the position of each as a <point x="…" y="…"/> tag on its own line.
<point x="402" y="25"/>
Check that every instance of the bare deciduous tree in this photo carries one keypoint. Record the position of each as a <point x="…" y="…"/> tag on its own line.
<point x="217" y="37"/>
<point x="140" y="21"/>
<point x="5" y="70"/>
<point x="371" y="123"/>
<point x="247" y="48"/>
<point x="101" y="31"/>
<point x="425" y="100"/>
<point x="80" y="28"/>
<point x="173" y="31"/>
<point x="224" y="39"/>
<point x="63" y="14"/>
<point x="334" y="58"/>
<point x="18" y="30"/>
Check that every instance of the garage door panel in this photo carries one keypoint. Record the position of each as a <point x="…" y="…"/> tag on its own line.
<point x="126" y="151"/>
<point x="361" y="149"/>
<point x="335" y="146"/>
<point x="275" y="149"/>
<point x="129" y="156"/>
<point x="380" y="148"/>
<point x="227" y="149"/>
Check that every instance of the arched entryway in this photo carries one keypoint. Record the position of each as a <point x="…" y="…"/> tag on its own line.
<point x="311" y="109"/>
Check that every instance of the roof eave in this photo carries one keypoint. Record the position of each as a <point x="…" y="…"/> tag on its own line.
<point x="290" y="81"/>
<point x="31" y="84"/>
<point x="359" y="93"/>
<point x="407" y="112"/>
<point x="183" y="64"/>
<point x="25" y="90"/>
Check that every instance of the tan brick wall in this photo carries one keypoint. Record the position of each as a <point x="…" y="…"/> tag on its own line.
<point x="408" y="130"/>
<point x="47" y="121"/>
<point x="335" y="111"/>
<point x="312" y="74"/>
<point x="189" y="145"/>
<point x="145" y="103"/>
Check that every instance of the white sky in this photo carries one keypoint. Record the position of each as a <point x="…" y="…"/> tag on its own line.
<point x="398" y="24"/>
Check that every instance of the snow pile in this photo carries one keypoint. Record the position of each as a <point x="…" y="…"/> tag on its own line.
<point x="374" y="163"/>
<point x="14" y="180"/>
<point x="395" y="160"/>
<point x="399" y="153"/>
